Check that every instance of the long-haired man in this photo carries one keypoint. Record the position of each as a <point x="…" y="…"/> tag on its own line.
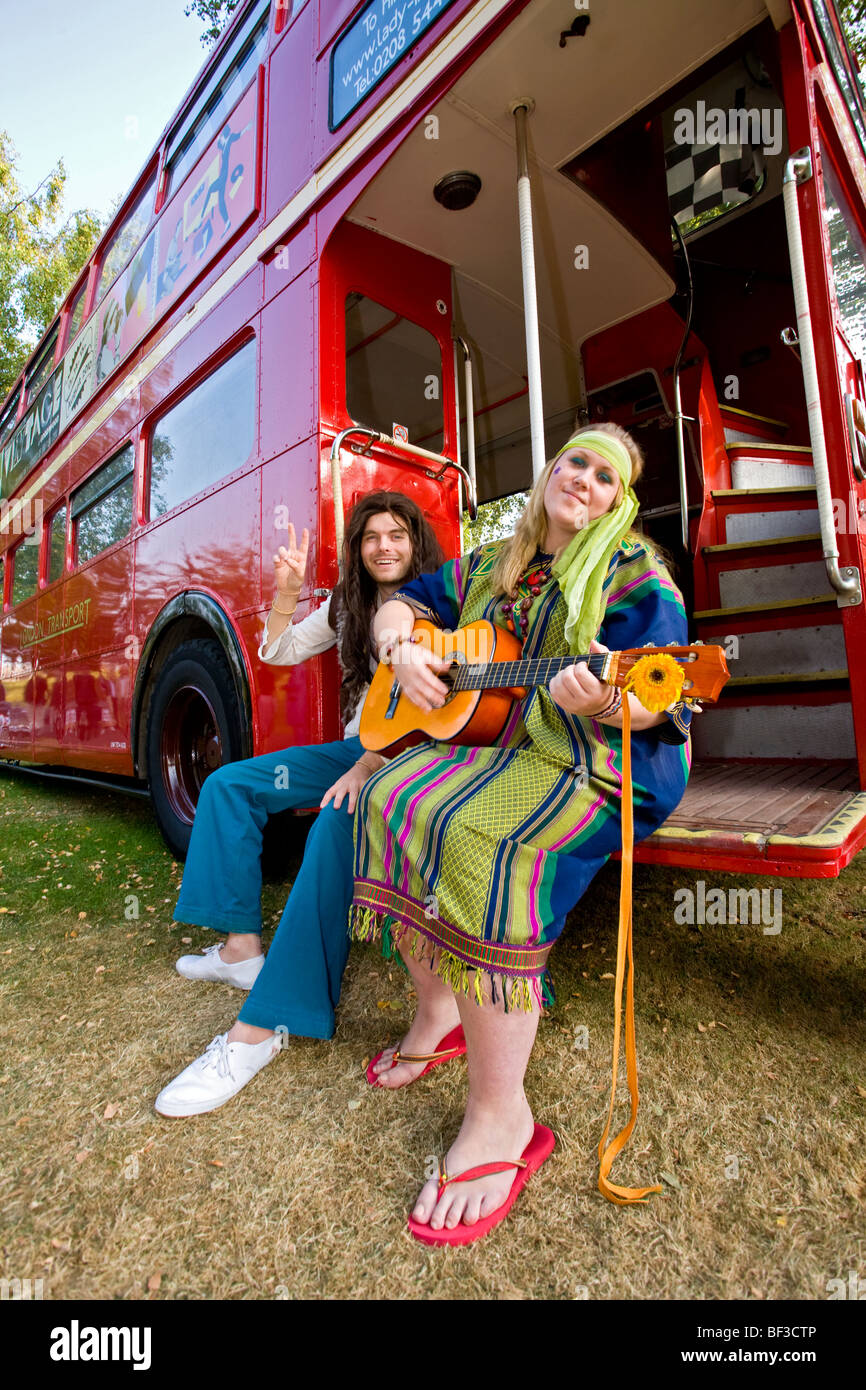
<point x="296" y="987"/>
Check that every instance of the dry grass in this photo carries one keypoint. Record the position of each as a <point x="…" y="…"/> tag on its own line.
<point x="299" y="1187"/>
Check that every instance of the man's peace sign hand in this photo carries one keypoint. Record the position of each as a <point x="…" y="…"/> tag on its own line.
<point x="290" y="564"/>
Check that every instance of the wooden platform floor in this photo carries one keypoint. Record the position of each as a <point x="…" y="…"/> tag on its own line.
<point x="766" y="797"/>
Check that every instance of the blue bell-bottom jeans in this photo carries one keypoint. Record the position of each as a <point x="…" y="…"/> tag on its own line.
<point x="298" y="987"/>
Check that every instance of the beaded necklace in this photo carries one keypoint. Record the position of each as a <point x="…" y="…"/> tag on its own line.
<point x="516" y="606"/>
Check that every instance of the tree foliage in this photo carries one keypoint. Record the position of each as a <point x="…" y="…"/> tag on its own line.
<point x="215" y="14"/>
<point x="853" y="15"/>
<point x="39" y="259"/>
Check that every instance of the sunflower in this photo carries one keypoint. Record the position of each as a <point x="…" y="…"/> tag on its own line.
<point x="657" y="681"/>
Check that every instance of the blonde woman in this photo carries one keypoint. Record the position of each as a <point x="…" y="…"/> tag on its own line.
<point x="504" y="840"/>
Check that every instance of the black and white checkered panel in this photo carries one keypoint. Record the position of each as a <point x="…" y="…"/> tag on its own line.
<point x="703" y="177"/>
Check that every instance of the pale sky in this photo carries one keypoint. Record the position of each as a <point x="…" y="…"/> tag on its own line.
<point x="93" y="83"/>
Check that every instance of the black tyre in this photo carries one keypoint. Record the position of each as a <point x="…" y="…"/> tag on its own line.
<point x="194" y="726"/>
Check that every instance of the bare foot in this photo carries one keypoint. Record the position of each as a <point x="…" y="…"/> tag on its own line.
<point x="240" y="946"/>
<point x="483" y="1138"/>
<point x="429" y="1027"/>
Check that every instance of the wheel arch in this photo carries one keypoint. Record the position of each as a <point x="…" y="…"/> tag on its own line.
<point x="188" y="615"/>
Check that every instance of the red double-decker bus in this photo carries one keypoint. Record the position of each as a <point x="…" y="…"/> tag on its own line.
<point x="324" y="281"/>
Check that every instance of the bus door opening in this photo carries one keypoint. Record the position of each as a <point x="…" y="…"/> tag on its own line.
<point x="388" y="404"/>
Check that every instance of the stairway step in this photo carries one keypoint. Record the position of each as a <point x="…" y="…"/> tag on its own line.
<point x="765" y="544"/>
<point x="817" y="730"/>
<point x="771" y="583"/>
<point x="722" y="494"/>
<point x="787" y="605"/>
<point x="793" y="650"/>
<point x="745" y="527"/>
<point x="787" y="678"/>
<point x="745" y="426"/>
<point x="770" y="471"/>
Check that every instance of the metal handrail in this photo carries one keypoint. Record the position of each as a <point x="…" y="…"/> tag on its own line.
<point x="679" y="418"/>
<point x="376" y="437"/>
<point x="846" y="583"/>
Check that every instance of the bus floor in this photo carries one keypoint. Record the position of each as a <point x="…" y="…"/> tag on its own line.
<point x="795" y="817"/>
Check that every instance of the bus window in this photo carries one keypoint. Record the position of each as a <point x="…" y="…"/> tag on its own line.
<point x="57" y="544"/>
<point x="102" y="508"/>
<point x="393" y="373"/>
<point x="127" y="237"/>
<point x="42" y="367"/>
<point x="848" y="256"/>
<point x="76" y="316"/>
<point x="207" y="435"/>
<point x="192" y="135"/>
<point x="9" y="417"/>
<point x="25" y="570"/>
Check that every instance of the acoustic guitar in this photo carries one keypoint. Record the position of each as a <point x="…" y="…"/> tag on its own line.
<point x="487" y="673"/>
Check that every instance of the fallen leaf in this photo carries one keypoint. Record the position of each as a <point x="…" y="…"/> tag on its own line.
<point x="607" y="976"/>
<point x="154" y="1281"/>
<point x="861" y="1091"/>
<point x="110" y="1111"/>
<point x="670" y="1180"/>
<point x="756" y="1293"/>
<point x="81" y="916"/>
<point x="781" y="1220"/>
<point x="354" y="1105"/>
<point x="100" y="970"/>
<point x="702" y="1028"/>
<point x="217" y="1163"/>
<point x="187" y="940"/>
<point x="59" y="1244"/>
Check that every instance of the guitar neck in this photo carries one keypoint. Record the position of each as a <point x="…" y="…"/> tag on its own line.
<point x="522" y="674"/>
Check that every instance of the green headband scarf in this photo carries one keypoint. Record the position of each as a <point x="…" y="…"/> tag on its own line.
<point x="582" y="566"/>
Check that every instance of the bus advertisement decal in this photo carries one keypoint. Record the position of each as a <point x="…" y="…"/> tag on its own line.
<point x="370" y="47"/>
<point x="53" y="624"/>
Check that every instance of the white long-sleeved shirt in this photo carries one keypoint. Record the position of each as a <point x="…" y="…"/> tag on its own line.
<point x="299" y="641"/>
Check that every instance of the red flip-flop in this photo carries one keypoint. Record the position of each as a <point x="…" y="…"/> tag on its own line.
<point x="452" y="1045"/>
<point x="537" y="1151"/>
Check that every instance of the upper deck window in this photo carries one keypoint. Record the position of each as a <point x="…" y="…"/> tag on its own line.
<point x="10" y="416"/>
<point x="393" y="373"/>
<point x="201" y="124"/>
<point x="42" y="367"/>
<point x="128" y="235"/>
<point x="76" y="316"/>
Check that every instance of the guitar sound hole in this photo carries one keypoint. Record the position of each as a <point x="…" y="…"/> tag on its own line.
<point x="457" y="660"/>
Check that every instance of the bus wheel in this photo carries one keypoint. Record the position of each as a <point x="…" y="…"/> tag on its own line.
<point x="194" y="727"/>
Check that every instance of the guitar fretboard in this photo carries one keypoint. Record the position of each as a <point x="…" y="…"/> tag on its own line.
<point x="490" y="675"/>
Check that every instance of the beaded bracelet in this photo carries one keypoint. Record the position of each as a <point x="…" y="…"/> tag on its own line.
<point x="613" y="708"/>
<point x="386" y="654"/>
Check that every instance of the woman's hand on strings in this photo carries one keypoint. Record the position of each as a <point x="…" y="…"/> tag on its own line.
<point x="415" y="667"/>
<point x="290" y="564"/>
<point x="578" y="691"/>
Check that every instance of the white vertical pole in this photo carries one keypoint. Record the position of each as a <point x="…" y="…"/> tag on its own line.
<point x="520" y="111"/>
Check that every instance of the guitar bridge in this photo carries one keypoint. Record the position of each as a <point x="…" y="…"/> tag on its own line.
<point x="392" y="703"/>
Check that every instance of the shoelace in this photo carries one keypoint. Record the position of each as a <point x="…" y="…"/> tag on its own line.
<point x="216" y="1055"/>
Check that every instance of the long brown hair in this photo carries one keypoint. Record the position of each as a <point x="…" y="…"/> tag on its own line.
<point x="355" y="598"/>
<point x="531" y="529"/>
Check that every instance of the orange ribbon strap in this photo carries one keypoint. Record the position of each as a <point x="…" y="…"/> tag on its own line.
<point x="607" y="1152"/>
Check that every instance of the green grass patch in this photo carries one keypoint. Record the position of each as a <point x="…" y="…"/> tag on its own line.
<point x="751" y="1063"/>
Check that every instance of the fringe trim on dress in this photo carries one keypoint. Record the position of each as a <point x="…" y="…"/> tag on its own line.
<point x="516" y="992"/>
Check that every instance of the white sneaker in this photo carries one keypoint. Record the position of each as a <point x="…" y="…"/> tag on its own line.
<point x="211" y="966"/>
<point x="223" y="1069"/>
